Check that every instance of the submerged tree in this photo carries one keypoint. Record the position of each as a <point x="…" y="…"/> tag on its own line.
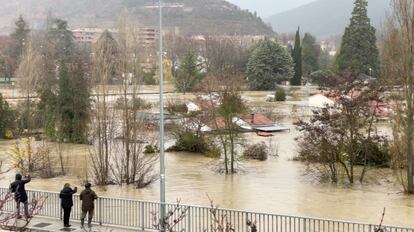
<point x="297" y="60"/>
<point x="342" y="136"/>
<point x="105" y="64"/>
<point x="359" y="52"/>
<point x="398" y="70"/>
<point x="29" y="73"/>
<point x="269" y="64"/>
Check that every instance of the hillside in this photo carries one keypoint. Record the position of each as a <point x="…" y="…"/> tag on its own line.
<point x="197" y="16"/>
<point x="324" y="18"/>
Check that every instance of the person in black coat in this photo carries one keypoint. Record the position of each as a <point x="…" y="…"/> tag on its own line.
<point x="67" y="202"/>
<point x="20" y="195"/>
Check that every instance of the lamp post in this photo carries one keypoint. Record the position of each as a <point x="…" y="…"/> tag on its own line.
<point x="162" y="154"/>
<point x="161" y="121"/>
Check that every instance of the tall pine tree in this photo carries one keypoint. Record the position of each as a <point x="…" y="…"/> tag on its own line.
<point x="297" y="59"/>
<point x="20" y="37"/>
<point x="359" y="52"/>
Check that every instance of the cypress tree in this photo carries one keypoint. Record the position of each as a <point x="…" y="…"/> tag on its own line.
<point x="359" y="52"/>
<point x="297" y="59"/>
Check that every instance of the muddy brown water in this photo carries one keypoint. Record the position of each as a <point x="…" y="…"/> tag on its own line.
<point x="277" y="185"/>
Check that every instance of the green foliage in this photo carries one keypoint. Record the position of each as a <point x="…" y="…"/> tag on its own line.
<point x="297" y="60"/>
<point x="62" y="39"/>
<point x="189" y="141"/>
<point x="188" y="74"/>
<point x="359" y="52"/>
<point x="310" y="54"/>
<point x="268" y="65"/>
<point x="320" y="77"/>
<point x="148" y="77"/>
<point x="73" y="104"/>
<point x="151" y="149"/>
<point x="280" y="95"/>
<point x="7" y="116"/>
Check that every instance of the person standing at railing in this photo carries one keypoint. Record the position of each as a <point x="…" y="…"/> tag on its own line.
<point x="88" y="197"/>
<point x="20" y="195"/>
<point x="66" y="196"/>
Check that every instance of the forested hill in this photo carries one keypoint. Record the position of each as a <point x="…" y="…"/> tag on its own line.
<point x="197" y="16"/>
<point x="325" y="17"/>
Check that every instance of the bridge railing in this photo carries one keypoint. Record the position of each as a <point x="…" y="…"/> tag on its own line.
<point x="140" y="215"/>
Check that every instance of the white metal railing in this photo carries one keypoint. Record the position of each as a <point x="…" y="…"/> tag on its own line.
<point x="138" y="214"/>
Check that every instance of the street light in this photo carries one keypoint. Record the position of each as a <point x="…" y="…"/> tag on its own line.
<point x="162" y="154"/>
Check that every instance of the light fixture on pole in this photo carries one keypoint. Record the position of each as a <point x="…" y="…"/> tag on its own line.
<point x="161" y="120"/>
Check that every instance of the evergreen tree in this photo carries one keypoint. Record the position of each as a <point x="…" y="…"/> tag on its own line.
<point x="62" y="39"/>
<point x="268" y="65"/>
<point x="81" y="103"/>
<point x="73" y="103"/>
<point x="188" y="73"/>
<point x="359" y="52"/>
<point x="65" y="104"/>
<point x="297" y="59"/>
<point x="310" y="54"/>
<point x="20" y="36"/>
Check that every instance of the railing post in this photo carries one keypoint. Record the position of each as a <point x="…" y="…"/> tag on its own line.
<point x="369" y="228"/>
<point x="141" y="204"/>
<point x="304" y="225"/>
<point x="100" y="211"/>
<point x="189" y="220"/>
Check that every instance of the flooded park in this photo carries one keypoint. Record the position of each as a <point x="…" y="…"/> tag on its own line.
<point x="278" y="185"/>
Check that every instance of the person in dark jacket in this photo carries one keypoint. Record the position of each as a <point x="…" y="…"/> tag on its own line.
<point x="20" y="195"/>
<point x="67" y="202"/>
<point x="88" y="197"/>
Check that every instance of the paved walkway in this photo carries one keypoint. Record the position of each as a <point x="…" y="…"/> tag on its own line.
<point x="42" y="224"/>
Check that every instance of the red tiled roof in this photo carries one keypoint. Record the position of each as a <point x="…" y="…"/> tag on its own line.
<point x="257" y="119"/>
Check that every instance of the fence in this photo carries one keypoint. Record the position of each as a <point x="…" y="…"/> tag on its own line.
<point x="139" y="215"/>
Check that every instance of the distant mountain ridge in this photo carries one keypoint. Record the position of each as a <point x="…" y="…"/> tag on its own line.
<point x="197" y="16"/>
<point x="325" y="18"/>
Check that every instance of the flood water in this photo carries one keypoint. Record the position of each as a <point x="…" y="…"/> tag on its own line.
<point x="277" y="185"/>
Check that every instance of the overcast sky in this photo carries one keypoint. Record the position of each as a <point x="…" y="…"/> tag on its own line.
<point x="267" y="8"/>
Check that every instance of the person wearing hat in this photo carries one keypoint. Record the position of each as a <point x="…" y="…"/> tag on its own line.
<point x="67" y="202"/>
<point x="20" y="195"/>
<point x="88" y="197"/>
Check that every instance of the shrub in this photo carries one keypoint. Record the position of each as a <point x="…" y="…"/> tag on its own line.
<point x="280" y="95"/>
<point x="189" y="141"/>
<point x="151" y="149"/>
<point x="258" y="151"/>
<point x="148" y="77"/>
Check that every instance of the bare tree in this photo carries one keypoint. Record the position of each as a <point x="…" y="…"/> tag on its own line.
<point x="225" y="104"/>
<point x="28" y="74"/>
<point x="398" y="57"/>
<point x="105" y="63"/>
<point x="10" y="221"/>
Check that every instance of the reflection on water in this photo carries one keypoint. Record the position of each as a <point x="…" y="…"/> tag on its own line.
<point x="277" y="185"/>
